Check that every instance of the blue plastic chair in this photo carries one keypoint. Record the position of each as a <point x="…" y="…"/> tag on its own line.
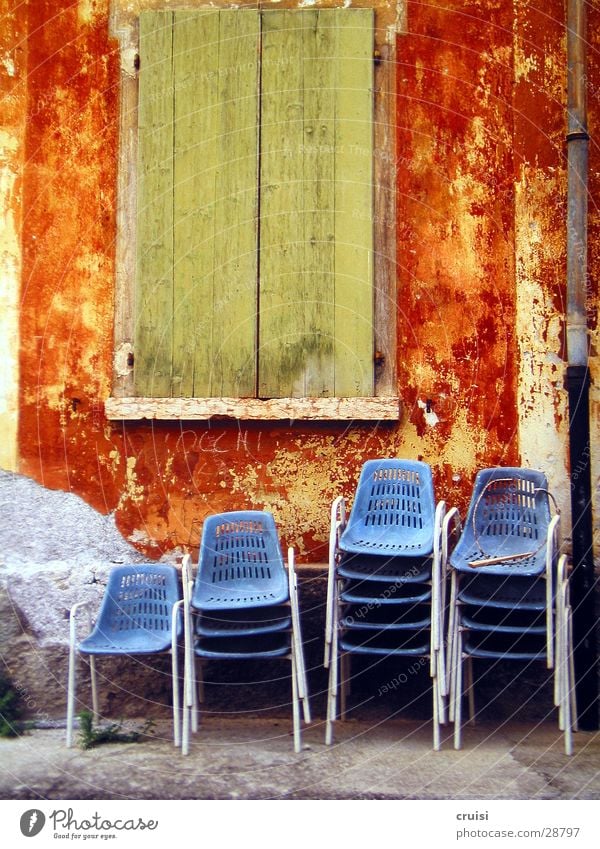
<point x="139" y="615"/>
<point x="507" y="524"/>
<point x="243" y="605"/>
<point x="385" y="585"/>
<point x="240" y="565"/>
<point x="393" y="516"/>
<point x="503" y="603"/>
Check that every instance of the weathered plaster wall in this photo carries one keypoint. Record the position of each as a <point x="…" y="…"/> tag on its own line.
<point x="13" y="98"/>
<point x="540" y="252"/>
<point x="456" y="235"/>
<point x="480" y="93"/>
<point x="540" y="248"/>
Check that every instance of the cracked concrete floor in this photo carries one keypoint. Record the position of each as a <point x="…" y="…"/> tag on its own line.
<point x="252" y="758"/>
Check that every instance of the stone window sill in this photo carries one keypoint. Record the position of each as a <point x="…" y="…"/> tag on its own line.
<point x="272" y="409"/>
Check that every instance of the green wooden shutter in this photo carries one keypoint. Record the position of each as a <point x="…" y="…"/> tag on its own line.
<point x="154" y="267"/>
<point x="316" y="271"/>
<point x="204" y="269"/>
<point x="197" y="204"/>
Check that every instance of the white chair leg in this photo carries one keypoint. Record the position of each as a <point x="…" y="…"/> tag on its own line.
<point x="450" y="655"/>
<point x="185" y="729"/>
<point x="93" y="679"/>
<point x="199" y="688"/>
<point x="175" y="673"/>
<point x="189" y="687"/>
<point x="567" y="718"/>
<point x="458" y="693"/>
<point x="571" y="672"/>
<point x="303" y="687"/>
<point x="565" y="680"/>
<point x="176" y="704"/>
<point x="551" y="547"/>
<point x="454" y="662"/>
<point x="333" y="684"/>
<point x="437" y="742"/>
<point x="469" y="686"/>
<point x="344" y="683"/>
<point x="296" y="705"/>
<point x="440" y="678"/>
<point x="337" y="521"/>
<point x="301" y="679"/>
<point x="71" y="690"/>
<point x="72" y="672"/>
<point x="190" y="696"/>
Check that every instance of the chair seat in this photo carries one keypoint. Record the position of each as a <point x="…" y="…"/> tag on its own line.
<point x="383" y="568"/>
<point x="390" y="617"/>
<point x="506" y="591"/>
<point x="491" y="618"/>
<point x="244" y="622"/>
<point x="504" y="646"/>
<point x="411" y="544"/>
<point x="409" y="644"/>
<point x="367" y="592"/>
<point x="135" y="615"/>
<point x="127" y="642"/>
<point x="510" y="550"/>
<point x="241" y="648"/>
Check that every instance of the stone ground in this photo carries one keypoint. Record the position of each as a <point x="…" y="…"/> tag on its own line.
<point x="252" y="758"/>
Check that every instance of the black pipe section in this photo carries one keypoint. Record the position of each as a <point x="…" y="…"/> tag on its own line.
<point x="577" y="380"/>
<point x="583" y="581"/>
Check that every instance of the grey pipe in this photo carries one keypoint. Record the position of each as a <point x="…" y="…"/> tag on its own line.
<point x="577" y="188"/>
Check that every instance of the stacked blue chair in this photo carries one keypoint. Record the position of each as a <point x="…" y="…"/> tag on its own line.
<point x="509" y="599"/>
<point x="386" y="592"/>
<point x="139" y="615"/>
<point x="242" y="605"/>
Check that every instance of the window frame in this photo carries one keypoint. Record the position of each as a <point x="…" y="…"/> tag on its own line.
<point x="384" y="404"/>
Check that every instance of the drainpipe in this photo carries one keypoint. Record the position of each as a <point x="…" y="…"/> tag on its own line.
<point x="583" y="584"/>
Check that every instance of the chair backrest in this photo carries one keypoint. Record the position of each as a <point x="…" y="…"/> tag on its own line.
<point x="509" y="502"/>
<point x="240" y="562"/>
<point x="394" y="510"/>
<point x="137" y="608"/>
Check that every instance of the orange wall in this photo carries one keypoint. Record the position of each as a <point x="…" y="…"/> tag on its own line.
<point x="480" y="123"/>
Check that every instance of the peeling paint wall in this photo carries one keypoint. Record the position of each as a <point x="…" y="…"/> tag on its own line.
<point x="540" y="245"/>
<point x="480" y="276"/>
<point x="13" y="95"/>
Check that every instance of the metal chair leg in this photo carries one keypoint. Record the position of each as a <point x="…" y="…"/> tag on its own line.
<point x="458" y="694"/>
<point x="296" y="705"/>
<point x="333" y="685"/>
<point x="344" y="683"/>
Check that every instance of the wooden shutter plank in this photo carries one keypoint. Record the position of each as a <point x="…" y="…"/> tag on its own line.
<point x="154" y="278"/>
<point x="316" y="277"/>
<point x="318" y="195"/>
<point x="236" y="209"/>
<point x="354" y="204"/>
<point x="196" y="58"/>
<point x="281" y="353"/>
